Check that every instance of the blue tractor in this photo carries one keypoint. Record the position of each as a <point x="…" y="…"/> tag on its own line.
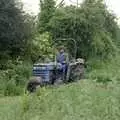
<point x="51" y="73"/>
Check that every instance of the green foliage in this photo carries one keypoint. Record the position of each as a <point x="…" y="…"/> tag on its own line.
<point x="10" y="108"/>
<point x="15" y="28"/>
<point x="104" y="71"/>
<point x="91" y="25"/>
<point x="25" y="103"/>
<point x="47" y="9"/>
<point x="40" y="47"/>
<point x="86" y="100"/>
<point x="13" y="79"/>
<point x="118" y="36"/>
<point x="103" y="45"/>
<point x="88" y="25"/>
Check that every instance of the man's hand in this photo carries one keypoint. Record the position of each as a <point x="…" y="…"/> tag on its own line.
<point x="64" y="62"/>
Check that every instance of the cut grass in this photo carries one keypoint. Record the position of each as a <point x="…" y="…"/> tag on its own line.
<point x="86" y="100"/>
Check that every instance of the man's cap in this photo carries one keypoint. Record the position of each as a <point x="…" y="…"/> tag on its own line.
<point x="61" y="47"/>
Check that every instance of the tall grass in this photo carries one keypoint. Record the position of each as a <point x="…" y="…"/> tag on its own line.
<point x="96" y="98"/>
<point x="104" y="71"/>
<point x="85" y="100"/>
<point x="13" y="79"/>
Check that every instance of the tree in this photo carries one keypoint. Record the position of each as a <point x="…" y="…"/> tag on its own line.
<point x="14" y="29"/>
<point x="41" y="47"/>
<point x="91" y="25"/>
<point x="47" y="9"/>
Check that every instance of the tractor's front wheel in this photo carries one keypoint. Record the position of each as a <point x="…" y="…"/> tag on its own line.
<point x="34" y="83"/>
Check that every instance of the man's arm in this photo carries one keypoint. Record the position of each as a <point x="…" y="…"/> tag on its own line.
<point x="57" y="58"/>
<point x="66" y="58"/>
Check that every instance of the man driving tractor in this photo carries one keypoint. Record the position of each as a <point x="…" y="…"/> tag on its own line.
<point x="51" y="73"/>
<point x="62" y="58"/>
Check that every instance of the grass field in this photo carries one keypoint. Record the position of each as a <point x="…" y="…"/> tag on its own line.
<point x="86" y="100"/>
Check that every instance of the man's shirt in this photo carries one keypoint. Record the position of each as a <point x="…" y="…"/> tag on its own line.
<point x="62" y="57"/>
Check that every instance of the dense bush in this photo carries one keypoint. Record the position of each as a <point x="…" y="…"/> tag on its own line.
<point x="13" y="79"/>
<point x="15" y="29"/>
<point x="104" y="71"/>
<point x="40" y="47"/>
<point x="91" y="25"/>
<point x="86" y="100"/>
<point x="47" y="8"/>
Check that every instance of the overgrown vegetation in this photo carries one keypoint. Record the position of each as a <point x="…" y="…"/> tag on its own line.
<point x="91" y="25"/>
<point x="85" y="100"/>
<point x="24" y="40"/>
<point x="13" y="80"/>
<point x="104" y="71"/>
<point x="15" y="29"/>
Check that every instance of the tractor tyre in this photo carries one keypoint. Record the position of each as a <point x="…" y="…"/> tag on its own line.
<point x="34" y="83"/>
